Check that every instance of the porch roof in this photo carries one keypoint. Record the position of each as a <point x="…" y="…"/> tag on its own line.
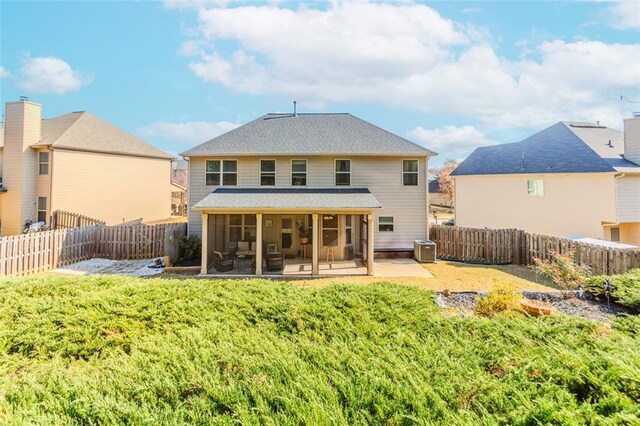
<point x="289" y="199"/>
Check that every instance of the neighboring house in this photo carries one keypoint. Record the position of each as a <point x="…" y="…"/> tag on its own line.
<point x="78" y="163"/>
<point x="569" y="180"/>
<point x="179" y="185"/>
<point x="311" y="186"/>
<point x="436" y="196"/>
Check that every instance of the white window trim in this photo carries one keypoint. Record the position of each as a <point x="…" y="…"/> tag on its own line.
<point x="393" y="223"/>
<point x="403" y="172"/>
<point x="46" y="207"/>
<point x="275" y="171"/>
<point x="221" y="172"/>
<point x="542" y="188"/>
<point x="306" y="172"/>
<point x="335" y="171"/>
<point x="40" y="163"/>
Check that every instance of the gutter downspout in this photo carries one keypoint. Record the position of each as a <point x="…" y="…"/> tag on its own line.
<point x="50" y="183"/>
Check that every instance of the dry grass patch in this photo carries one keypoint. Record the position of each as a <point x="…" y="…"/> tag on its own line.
<point x="463" y="276"/>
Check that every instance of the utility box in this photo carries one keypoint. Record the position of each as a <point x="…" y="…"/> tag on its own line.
<point x="424" y="250"/>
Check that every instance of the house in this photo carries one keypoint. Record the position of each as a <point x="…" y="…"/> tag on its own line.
<point x="436" y="196"/>
<point x="572" y="179"/>
<point x="79" y="163"/>
<point x="316" y="188"/>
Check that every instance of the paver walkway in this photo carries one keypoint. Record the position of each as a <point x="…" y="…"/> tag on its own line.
<point x="136" y="268"/>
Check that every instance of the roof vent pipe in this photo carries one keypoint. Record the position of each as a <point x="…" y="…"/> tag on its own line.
<point x="295" y="111"/>
<point x="636" y="113"/>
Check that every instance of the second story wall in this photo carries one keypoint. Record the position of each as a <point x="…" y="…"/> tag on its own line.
<point x="382" y="175"/>
<point x="628" y="198"/>
<point x="566" y="204"/>
<point x="113" y="188"/>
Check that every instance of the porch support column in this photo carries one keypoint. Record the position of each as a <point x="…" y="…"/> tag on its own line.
<point x="315" y="267"/>
<point x="258" y="243"/>
<point x="369" y="244"/>
<point x="205" y="240"/>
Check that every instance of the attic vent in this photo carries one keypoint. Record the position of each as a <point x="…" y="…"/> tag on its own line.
<point x="587" y="126"/>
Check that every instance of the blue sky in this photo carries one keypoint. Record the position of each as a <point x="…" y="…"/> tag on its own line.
<point x="448" y="75"/>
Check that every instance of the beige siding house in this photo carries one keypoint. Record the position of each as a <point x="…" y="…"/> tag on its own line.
<point x="78" y="163"/>
<point x="314" y="187"/>
<point x="570" y="180"/>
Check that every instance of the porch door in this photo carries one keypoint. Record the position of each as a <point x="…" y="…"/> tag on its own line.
<point x="287" y="235"/>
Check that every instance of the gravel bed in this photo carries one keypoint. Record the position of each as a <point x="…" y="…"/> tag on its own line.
<point x="561" y="302"/>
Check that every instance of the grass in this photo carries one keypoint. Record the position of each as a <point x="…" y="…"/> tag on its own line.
<point x="464" y="276"/>
<point x="113" y="350"/>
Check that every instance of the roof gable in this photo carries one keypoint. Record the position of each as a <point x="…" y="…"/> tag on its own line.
<point x="310" y="134"/>
<point x="556" y="149"/>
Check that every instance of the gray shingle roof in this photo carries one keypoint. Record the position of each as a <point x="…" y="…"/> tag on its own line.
<point x="565" y="147"/>
<point x="289" y="198"/>
<point x="311" y="134"/>
<point x="84" y="131"/>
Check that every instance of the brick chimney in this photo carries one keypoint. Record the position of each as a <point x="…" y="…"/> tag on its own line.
<point x="632" y="138"/>
<point x="22" y="128"/>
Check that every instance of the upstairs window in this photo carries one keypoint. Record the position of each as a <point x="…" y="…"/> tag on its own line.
<point x="410" y="172"/>
<point x="221" y="171"/>
<point x="267" y="172"/>
<point x="535" y="187"/>
<point x="42" y="209"/>
<point x="299" y="172"/>
<point x="43" y="163"/>
<point x="343" y="172"/>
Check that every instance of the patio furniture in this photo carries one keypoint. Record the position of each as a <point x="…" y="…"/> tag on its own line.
<point x="331" y="254"/>
<point x="273" y="258"/>
<point x="222" y="261"/>
<point x="244" y="263"/>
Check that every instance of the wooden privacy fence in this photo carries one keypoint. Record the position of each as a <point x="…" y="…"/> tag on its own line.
<point x="29" y="254"/>
<point x="501" y="246"/>
<point x="61" y="220"/>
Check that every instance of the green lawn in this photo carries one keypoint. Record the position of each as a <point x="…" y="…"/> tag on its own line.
<point x="156" y="351"/>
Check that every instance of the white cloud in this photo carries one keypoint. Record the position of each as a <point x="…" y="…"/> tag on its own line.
<point x="625" y="15"/>
<point x="51" y="75"/>
<point x="450" y="142"/>
<point x="4" y="72"/>
<point x="409" y="55"/>
<point x="187" y="133"/>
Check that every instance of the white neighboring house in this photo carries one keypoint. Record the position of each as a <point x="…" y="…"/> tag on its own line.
<point x="310" y="186"/>
<point x="572" y="179"/>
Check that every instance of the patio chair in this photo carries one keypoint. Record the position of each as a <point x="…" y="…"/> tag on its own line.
<point x="274" y="259"/>
<point x="222" y="262"/>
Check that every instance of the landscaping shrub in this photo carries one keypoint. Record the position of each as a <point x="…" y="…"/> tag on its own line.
<point x="128" y="351"/>
<point x="504" y="298"/>
<point x="626" y="288"/>
<point x="192" y="247"/>
<point x="562" y="270"/>
<point x="629" y="324"/>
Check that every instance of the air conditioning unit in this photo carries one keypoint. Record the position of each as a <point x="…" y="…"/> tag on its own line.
<point x="424" y="250"/>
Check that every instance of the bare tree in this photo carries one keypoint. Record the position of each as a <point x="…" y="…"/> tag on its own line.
<point x="444" y="179"/>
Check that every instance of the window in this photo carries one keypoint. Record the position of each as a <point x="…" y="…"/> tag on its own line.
<point x="43" y="163"/>
<point x="298" y="172"/>
<point x="42" y="209"/>
<point x="410" y="172"/>
<point x="267" y="172"/>
<point x="343" y="172"/>
<point x="348" y="228"/>
<point x="385" y="224"/>
<point x="225" y="171"/>
<point x="242" y="227"/>
<point x="615" y="234"/>
<point x="535" y="187"/>
<point x="330" y="230"/>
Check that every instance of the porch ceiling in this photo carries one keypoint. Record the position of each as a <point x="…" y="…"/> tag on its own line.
<point x="307" y="199"/>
